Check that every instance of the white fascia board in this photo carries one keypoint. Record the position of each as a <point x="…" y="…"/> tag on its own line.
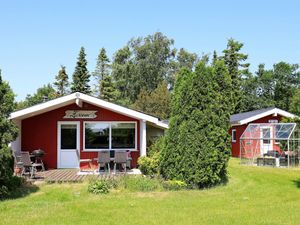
<point x="270" y="112"/>
<point x="38" y="109"/>
<point x="117" y="108"/>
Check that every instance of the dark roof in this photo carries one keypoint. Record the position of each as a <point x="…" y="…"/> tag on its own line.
<point x="236" y="118"/>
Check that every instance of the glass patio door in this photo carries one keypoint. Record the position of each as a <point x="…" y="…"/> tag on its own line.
<point x="68" y="144"/>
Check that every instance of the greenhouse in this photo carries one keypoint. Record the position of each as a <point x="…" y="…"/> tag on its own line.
<point x="271" y="144"/>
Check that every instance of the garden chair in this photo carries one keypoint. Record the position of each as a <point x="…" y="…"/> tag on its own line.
<point x="120" y="158"/>
<point x="27" y="164"/>
<point x="104" y="160"/>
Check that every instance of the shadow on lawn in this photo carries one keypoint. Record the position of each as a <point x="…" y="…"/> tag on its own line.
<point x="296" y="183"/>
<point x="22" y="191"/>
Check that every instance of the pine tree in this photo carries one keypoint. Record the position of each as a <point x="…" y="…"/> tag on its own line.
<point x="102" y="69"/>
<point x="8" y="133"/>
<point x="197" y="143"/>
<point x="108" y="90"/>
<point x="61" y="82"/>
<point x="236" y="68"/>
<point x="81" y="76"/>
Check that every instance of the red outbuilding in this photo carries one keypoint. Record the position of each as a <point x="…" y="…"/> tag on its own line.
<point x="240" y="121"/>
<point x="77" y="127"/>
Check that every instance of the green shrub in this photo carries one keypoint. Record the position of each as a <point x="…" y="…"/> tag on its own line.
<point x="156" y="147"/>
<point x="98" y="187"/>
<point x="174" y="185"/>
<point x="149" y="165"/>
<point x="141" y="183"/>
<point x="197" y="143"/>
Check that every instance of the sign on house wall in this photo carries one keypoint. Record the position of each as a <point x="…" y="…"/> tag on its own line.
<point x="80" y="114"/>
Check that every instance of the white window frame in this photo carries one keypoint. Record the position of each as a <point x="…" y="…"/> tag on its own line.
<point x="233" y="131"/>
<point x="110" y="136"/>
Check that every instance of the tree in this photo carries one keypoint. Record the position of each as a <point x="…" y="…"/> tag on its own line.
<point x="156" y="103"/>
<point x="295" y="103"/>
<point x="197" y="143"/>
<point x="81" y="76"/>
<point x="186" y="59"/>
<point x="45" y="93"/>
<point x="108" y="91"/>
<point x="286" y="81"/>
<point x="8" y="133"/>
<point x="61" y="82"/>
<point x="102" y="69"/>
<point x="236" y="68"/>
<point x="143" y="63"/>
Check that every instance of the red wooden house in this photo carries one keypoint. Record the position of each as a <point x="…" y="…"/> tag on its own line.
<point x="78" y="126"/>
<point x="239" y="123"/>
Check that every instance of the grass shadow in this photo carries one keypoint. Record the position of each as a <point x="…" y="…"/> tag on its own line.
<point x="24" y="190"/>
<point x="296" y="183"/>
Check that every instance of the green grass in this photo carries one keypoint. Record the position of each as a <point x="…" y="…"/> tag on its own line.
<point x="253" y="195"/>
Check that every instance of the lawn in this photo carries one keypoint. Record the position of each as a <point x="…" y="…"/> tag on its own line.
<point x="253" y="195"/>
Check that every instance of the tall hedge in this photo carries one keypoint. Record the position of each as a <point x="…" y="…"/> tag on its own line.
<point x="8" y="132"/>
<point x="197" y="143"/>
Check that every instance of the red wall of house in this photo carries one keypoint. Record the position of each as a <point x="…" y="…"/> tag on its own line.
<point x="235" y="146"/>
<point x="40" y="132"/>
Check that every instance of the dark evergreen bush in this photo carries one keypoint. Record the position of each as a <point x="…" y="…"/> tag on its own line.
<point x="197" y="147"/>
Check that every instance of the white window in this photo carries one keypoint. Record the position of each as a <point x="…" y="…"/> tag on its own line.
<point x="233" y="135"/>
<point x="110" y="136"/>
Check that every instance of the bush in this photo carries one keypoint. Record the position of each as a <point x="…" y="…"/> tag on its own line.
<point x="156" y="147"/>
<point x="174" y="185"/>
<point x="141" y="183"/>
<point x="149" y="165"/>
<point x="8" y="187"/>
<point x="197" y="143"/>
<point x="98" y="187"/>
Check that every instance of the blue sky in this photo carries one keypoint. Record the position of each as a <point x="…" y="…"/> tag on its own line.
<point x="36" y="37"/>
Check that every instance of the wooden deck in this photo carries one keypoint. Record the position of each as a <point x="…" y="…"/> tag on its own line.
<point x="64" y="175"/>
<point x="73" y="175"/>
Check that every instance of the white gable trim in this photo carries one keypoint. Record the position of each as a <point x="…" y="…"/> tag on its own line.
<point x="274" y="112"/>
<point x="78" y="98"/>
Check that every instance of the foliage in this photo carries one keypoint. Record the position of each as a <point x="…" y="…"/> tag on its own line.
<point x="102" y="70"/>
<point x="156" y="146"/>
<point x="149" y="165"/>
<point x="174" y="185"/>
<point x="81" y="76"/>
<point x="61" y="82"/>
<point x="98" y="187"/>
<point x="45" y="93"/>
<point x="236" y="68"/>
<point x="8" y="133"/>
<point x="108" y="90"/>
<point x="197" y="142"/>
<point x="156" y="103"/>
<point x="141" y="183"/>
<point x="143" y="63"/>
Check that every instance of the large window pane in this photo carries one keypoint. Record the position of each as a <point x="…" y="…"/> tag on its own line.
<point x="123" y="135"/>
<point x="68" y="136"/>
<point x="96" y="136"/>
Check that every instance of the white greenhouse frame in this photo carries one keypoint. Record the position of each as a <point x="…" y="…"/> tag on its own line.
<point x="270" y="144"/>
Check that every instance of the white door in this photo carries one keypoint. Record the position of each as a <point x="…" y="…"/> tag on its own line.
<point x="266" y="144"/>
<point x="68" y="141"/>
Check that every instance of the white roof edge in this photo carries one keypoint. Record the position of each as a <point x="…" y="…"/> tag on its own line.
<point x="264" y="114"/>
<point x="92" y="100"/>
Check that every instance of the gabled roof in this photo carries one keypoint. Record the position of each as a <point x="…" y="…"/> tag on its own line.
<point x="247" y="117"/>
<point x="78" y="98"/>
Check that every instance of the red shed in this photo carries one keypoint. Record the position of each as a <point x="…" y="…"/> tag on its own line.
<point x="79" y="126"/>
<point x="240" y="121"/>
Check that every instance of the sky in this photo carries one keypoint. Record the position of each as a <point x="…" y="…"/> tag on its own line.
<point x="36" y="37"/>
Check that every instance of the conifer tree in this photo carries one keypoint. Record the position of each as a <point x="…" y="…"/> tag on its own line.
<point x="102" y="69"/>
<point x="8" y="133"/>
<point x="108" y="90"/>
<point x="61" y="82"/>
<point x="197" y="143"/>
<point x="81" y="76"/>
<point x="236" y="68"/>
